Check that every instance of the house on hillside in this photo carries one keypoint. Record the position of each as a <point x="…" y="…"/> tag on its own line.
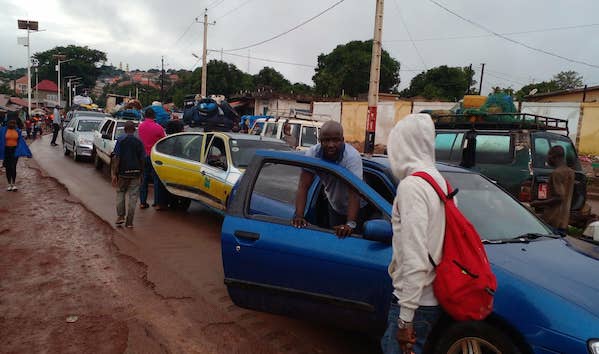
<point x="266" y="102"/>
<point x="585" y="94"/>
<point x="21" y="85"/>
<point x="47" y="93"/>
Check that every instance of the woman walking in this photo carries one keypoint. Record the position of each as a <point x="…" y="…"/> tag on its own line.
<point x="12" y="146"/>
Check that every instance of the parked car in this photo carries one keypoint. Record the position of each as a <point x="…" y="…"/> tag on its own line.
<point x="105" y="140"/>
<point x="78" y="135"/>
<point x="513" y="154"/>
<point x="547" y="288"/>
<point x="205" y="166"/>
<point x="304" y="132"/>
<point x="78" y="113"/>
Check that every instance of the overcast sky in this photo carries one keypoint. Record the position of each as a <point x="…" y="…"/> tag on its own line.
<point x="139" y="32"/>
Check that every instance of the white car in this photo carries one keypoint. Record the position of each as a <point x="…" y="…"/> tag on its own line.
<point x="304" y="132"/>
<point x="78" y="135"/>
<point x="105" y="140"/>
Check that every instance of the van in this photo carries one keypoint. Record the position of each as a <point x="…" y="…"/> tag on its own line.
<point x="304" y="133"/>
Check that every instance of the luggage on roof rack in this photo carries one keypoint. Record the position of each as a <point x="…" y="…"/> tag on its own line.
<point x="499" y="121"/>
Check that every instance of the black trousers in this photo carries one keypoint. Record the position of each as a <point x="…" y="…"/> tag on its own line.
<point x="10" y="163"/>
<point x="56" y="129"/>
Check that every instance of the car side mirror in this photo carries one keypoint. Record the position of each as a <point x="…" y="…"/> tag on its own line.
<point x="71" y="129"/>
<point x="378" y="230"/>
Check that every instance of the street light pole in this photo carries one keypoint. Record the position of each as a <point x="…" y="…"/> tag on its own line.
<point x="60" y="58"/>
<point x="29" y="26"/>
<point x="375" y="73"/>
<point x="205" y="52"/>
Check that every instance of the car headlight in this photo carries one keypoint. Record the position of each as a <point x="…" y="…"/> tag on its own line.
<point x="84" y="141"/>
<point x="594" y="346"/>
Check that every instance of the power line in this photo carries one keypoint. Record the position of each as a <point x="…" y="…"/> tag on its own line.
<point x="506" y="79"/>
<point x="264" y="59"/>
<point x="184" y="32"/>
<point x="234" y="9"/>
<point x="214" y="3"/>
<point x="403" y="22"/>
<point x="492" y="35"/>
<point x="513" y="40"/>
<point x="289" y="30"/>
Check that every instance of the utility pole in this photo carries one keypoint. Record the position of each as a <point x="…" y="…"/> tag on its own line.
<point x="205" y="52"/>
<point x="469" y="79"/>
<point x="375" y="73"/>
<point x="482" y="73"/>
<point x="162" y="81"/>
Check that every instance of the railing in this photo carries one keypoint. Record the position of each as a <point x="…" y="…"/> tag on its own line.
<point x="499" y="121"/>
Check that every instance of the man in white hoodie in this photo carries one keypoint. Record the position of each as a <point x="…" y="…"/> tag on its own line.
<point x="418" y="231"/>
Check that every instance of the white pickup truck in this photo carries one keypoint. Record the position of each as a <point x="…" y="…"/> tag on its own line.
<point x="105" y="140"/>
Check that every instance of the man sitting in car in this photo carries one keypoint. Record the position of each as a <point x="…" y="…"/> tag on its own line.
<point x="344" y="203"/>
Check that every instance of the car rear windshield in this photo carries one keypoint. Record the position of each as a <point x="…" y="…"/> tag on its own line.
<point x="120" y="129"/>
<point x="493" y="212"/>
<point x="542" y="145"/>
<point x="88" y="125"/>
<point x="242" y="151"/>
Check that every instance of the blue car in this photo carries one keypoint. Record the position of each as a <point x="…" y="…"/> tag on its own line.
<point x="548" y="286"/>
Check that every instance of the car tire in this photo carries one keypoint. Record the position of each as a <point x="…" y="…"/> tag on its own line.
<point x="65" y="150"/>
<point x="477" y="336"/>
<point x="75" y="155"/>
<point x="98" y="163"/>
<point x="182" y="203"/>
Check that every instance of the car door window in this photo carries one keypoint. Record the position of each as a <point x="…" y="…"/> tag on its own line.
<point x="309" y="137"/>
<point x="109" y="130"/>
<point x="443" y="145"/>
<point x="493" y="149"/>
<point x="188" y="147"/>
<point x="542" y="146"/>
<point x="216" y="155"/>
<point x="105" y="127"/>
<point x="271" y="130"/>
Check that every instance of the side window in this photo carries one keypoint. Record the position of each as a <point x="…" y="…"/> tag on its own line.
<point x="216" y="155"/>
<point x="542" y="146"/>
<point x="443" y="145"/>
<point x="541" y="151"/>
<point x="105" y="127"/>
<point x="309" y="137"/>
<point x="72" y="123"/>
<point x="110" y="129"/>
<point x="493" y="149"/>
<point x="274" y="191"/>
<point x="188" y="147"/>
<point x="271" y="130"/>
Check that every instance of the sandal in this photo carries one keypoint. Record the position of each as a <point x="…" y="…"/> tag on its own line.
<point x="144" y="206"/>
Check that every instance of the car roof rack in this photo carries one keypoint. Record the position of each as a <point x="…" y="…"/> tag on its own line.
<point x="499" y="121"/>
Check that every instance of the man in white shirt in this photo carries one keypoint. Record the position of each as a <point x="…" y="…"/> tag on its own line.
<point x="55" y="124"/>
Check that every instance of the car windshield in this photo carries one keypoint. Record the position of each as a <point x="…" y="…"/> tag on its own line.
<point x="494" y="213"/>
<point x="87" y="125"/>
<point x="242" y="151"/>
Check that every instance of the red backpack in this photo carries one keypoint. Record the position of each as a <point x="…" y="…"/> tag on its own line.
<point x="464" y="284"/>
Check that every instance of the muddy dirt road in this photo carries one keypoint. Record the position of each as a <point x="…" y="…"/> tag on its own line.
<point x="155" y="288"/>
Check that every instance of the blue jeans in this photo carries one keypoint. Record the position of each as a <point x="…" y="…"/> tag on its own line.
<point x="150" y="175"/>
<point x="424" y="320"/>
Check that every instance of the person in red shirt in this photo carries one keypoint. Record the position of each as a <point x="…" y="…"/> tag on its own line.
<point x="149" y="133"/>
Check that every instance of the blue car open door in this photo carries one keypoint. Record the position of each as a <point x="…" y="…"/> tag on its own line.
<point x="272" y="266"/>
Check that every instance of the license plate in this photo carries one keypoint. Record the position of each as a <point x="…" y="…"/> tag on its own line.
<point x="542" y="194"/>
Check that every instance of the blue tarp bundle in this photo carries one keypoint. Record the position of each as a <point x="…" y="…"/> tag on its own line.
<point x="162" y="116"/>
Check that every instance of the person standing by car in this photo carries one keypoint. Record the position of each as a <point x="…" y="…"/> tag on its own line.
<point x="149" y="133"/>
<point x="288" y="137"/>
<point x="418" y="219"/>
<point x="55" y="125"/>
<point x="556" y="208"/>
<point x="127" y="167"/>
<point x="344" y="203"/>
<point x="12" y="146"/>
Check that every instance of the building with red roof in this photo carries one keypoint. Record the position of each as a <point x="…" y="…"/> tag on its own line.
<point x="47" y="93"/>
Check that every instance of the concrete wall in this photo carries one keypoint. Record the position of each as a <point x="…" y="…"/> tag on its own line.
<point x="278" y="106"/>
<point x="592" y="96"/>
<point x="327" y="111"/>
<point x="353" y="119"/>
<point x="563" y="110"/>
<point x="420" y="106"/>
<point x="589" y="130"/>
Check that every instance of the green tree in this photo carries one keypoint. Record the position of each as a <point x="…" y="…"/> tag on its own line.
<point x="541" y="87"/>
<point x="299" y="88"/>
<point x="84" y="62"/>
<point x="442" y="83"/>
<point x="505" y="90"/>
<point x="269" y="77"/>
<point x="347" y="69"/>
<point x="567" y="80"/>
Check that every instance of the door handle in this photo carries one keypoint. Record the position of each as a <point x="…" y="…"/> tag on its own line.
<point x="158" y="162"/>
<point x="203" y="173"/>
<point x="252" y="236"/>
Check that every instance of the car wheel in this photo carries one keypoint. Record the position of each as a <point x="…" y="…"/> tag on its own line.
<point x="65" y="150"/>
<point x="182" y="203"/>
<point x="98" y="163"/>
<point x="75" y="155"/>
<point x="474" y="337"/>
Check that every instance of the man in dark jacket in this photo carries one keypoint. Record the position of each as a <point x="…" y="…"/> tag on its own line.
<point x="127" y="167"/>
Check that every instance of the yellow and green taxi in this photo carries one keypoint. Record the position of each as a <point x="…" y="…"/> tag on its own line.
<point x="205" y="166"/>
